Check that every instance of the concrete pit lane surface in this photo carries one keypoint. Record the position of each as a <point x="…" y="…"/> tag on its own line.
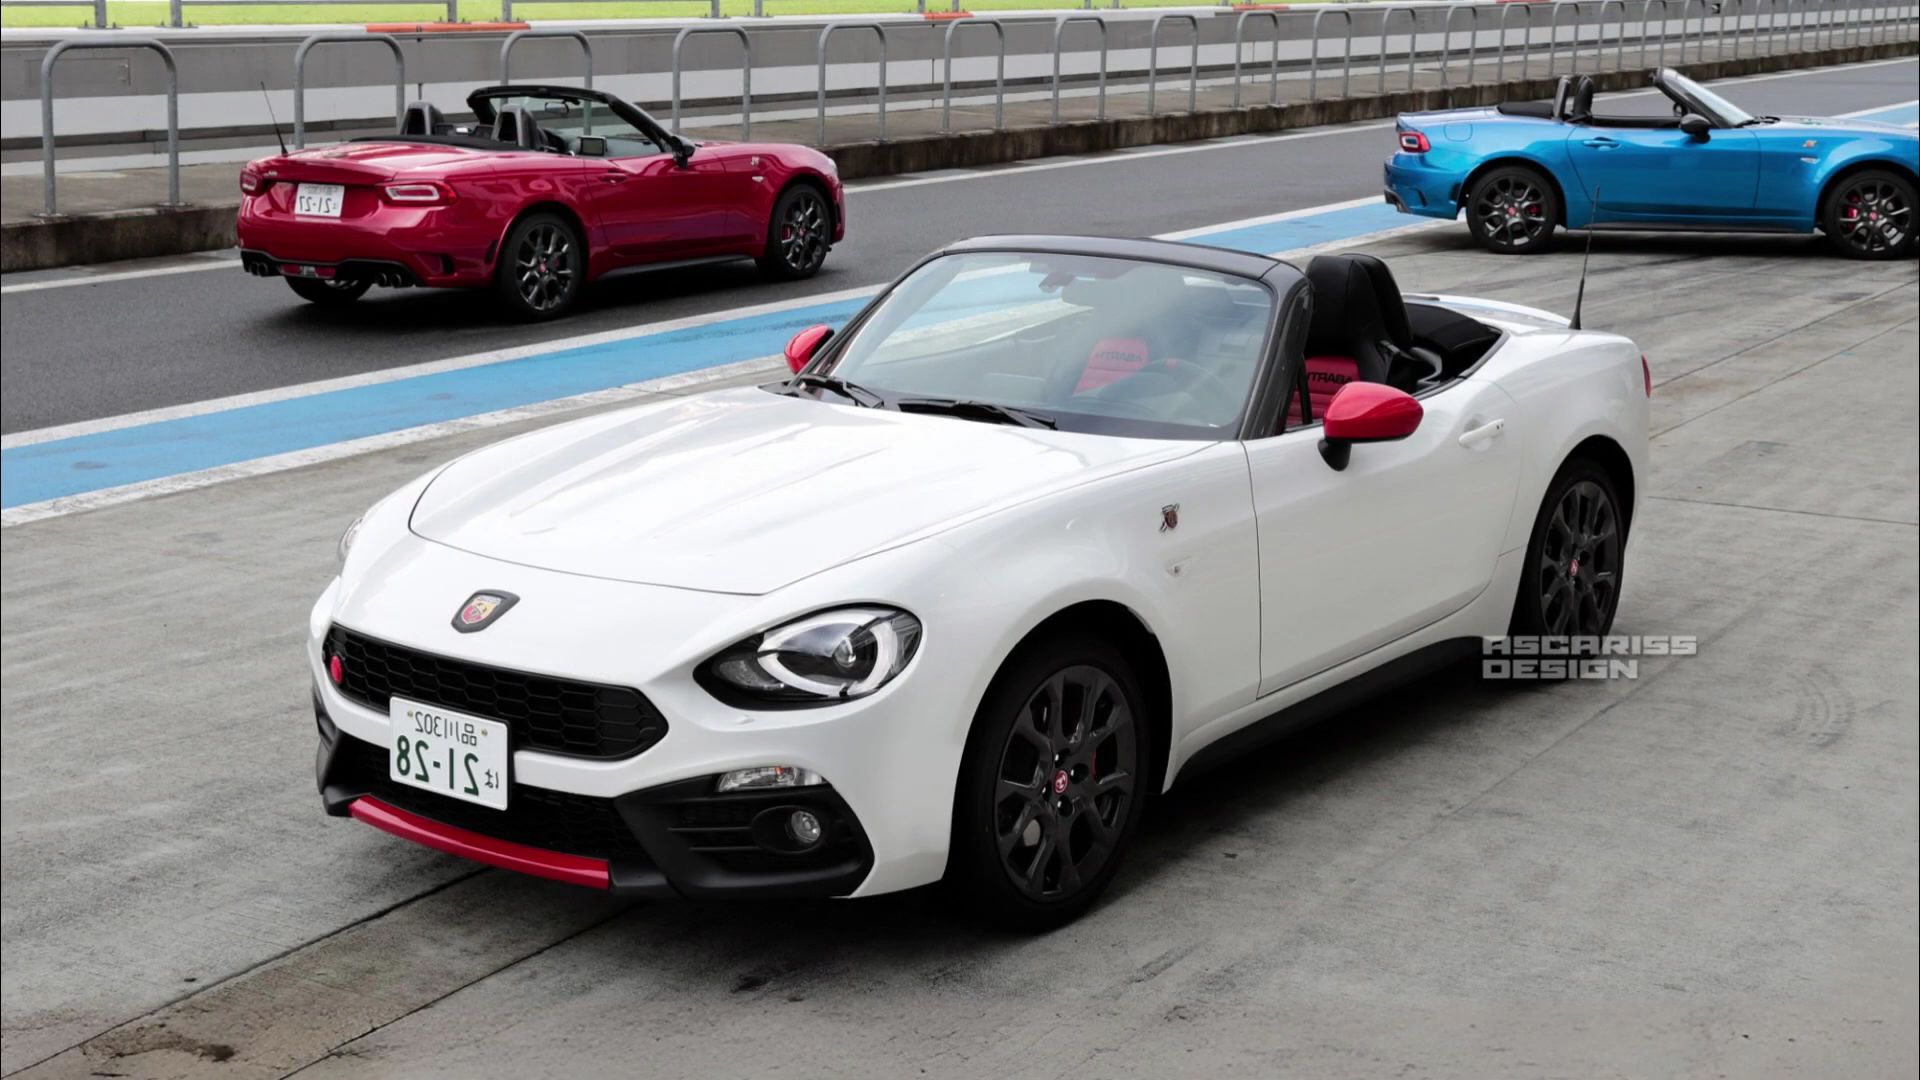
<point x="1705" y="870"/>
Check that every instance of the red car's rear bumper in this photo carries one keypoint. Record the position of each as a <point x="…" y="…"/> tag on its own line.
<point x="450" y="245"/>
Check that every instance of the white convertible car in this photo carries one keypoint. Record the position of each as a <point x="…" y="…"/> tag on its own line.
<point x="1053" y="522"/>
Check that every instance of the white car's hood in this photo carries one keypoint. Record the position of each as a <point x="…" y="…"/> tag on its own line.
<point x="744" y="491"/>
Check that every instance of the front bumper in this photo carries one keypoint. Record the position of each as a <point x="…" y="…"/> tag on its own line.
<point x="678" y="839"/>
<point x="1413" y="187"/>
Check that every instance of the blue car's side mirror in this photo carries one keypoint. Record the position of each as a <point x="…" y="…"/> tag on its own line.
<point x="1696" y="126"/>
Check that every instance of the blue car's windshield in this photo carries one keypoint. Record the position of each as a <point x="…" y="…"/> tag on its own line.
<point x="1699" y="99"/>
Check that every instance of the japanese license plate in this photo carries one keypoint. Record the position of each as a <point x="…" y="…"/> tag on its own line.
<point x="319" y="200"/>
<point x="448" y="753"/>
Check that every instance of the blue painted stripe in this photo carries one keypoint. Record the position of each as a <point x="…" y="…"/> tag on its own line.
<point x="85" y="463"/>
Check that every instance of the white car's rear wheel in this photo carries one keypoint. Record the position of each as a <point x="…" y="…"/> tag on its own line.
<point x="1570" y="583"/>
<point x="1053" y="784"/>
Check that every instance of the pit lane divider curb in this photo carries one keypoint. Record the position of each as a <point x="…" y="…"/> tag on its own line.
<point x="131" y="234"/>
<point x="57" y="471"/>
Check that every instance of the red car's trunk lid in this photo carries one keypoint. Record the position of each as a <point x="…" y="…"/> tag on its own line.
<point x="363" y="163"/>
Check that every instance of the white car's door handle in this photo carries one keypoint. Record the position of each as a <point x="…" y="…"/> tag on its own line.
<point x="1485" y="433"/>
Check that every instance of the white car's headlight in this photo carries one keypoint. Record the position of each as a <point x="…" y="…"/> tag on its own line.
<point x="346" y="540"/>
<point x="831" y="656"/>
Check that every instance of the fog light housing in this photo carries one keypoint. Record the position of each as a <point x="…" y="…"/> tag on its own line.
<point x="804" y="829"/>
<point x="768" y="777"/>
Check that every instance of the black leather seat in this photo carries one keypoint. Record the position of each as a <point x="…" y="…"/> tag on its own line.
<point x="1360" y="332"/>
<point x="421" y="118"/>
<point x="514" y="124"/>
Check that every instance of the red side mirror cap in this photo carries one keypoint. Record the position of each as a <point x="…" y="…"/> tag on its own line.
<point x="804" y="344"/>
<point x="1363" y="412"/>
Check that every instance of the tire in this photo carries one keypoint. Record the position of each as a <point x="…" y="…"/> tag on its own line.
<point x="1870" y="215"/>
<point x="542" y="268"/>
<point x="1016" y="858"/>
<point x="1570" y="582"/>
<point x="799" y="233"/>
<point x="328" y="292"/>
<point x="1513" y="210"/>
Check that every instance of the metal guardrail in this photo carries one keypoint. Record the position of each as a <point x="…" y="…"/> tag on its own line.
<point x="300" y="78"/>
<point x="1059" y="27"/>
<point x="1346" y="55"/>
<point x="820" y="84"/>
<point x="586" y="47"/>
<point x="746" y="72"/>
<point x="946" y="72"/>
<point x="1737" y="27"/>
<point x="51" y="208"/>
<point x="1153" y="58"/>
<point x="1239" y="45"/>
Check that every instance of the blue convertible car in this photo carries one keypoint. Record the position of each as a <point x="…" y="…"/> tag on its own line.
<point x="1520" y="169"/>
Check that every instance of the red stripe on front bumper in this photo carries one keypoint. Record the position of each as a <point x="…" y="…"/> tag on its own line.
<point x="572" y="869"/>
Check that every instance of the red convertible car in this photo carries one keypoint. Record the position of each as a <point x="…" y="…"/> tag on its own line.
<point x="550" y="188"/>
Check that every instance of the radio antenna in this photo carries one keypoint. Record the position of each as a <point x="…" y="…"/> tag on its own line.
<point x="268" y="98"/>
<point x="1580" y="298"/>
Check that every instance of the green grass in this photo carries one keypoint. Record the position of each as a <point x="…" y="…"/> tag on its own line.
<point x="145" y="14"/>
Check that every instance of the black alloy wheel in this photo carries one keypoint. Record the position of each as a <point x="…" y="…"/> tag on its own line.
<point x="329" y="292"/>
<point x="1513" y="210"/>
<point x="799" y="234"/>
<point x="1055" y="777"/>
<point x="542" y="267"/>
<point x="1570" y="583"/>
<point x="1869" y="215"/>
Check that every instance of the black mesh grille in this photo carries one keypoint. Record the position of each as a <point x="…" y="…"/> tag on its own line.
<point x="558" y="716"/>
<point x="537" y="817"/>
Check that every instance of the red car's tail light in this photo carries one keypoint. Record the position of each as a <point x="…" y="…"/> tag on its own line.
<point x="1646" y="374"/>
<point x="418" y="191"/>
<point x="1414" y="142"/>
<point x="251" y="183"/>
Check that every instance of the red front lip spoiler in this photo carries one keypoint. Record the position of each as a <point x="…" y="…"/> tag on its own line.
<point x="572" y="869"/>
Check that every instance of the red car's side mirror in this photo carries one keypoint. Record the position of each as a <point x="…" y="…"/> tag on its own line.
<point x="1366" y="412"/>
<point x="804" y="344"/>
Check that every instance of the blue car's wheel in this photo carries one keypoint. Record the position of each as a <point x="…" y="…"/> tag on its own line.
<point x="1513" y="210"/>
<point x="1869" y="215"/>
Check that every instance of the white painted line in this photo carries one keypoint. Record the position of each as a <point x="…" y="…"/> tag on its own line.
<point x="215" y="261"/>
<point x="1877" y="108"/>
<point x="167" y="485"/>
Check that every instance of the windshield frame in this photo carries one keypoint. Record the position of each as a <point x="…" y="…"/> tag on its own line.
<point x="1698" y="99"/>
<point x="826" y="360"/>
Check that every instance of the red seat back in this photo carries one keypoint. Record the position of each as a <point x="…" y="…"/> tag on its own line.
<point x="1325" y="376"/>
<point x="1110" y="360"/>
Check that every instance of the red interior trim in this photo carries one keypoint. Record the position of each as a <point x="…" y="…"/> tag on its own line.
<point x="572" y="869"/>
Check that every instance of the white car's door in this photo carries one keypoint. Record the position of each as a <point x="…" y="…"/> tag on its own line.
<point x="1407" y="533"/>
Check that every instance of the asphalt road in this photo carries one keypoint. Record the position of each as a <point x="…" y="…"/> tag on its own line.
<point x="102" y="350"/>
<point x="1707" y="870"/>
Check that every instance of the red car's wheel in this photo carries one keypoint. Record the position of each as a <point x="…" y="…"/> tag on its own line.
<point x="542" y="268"/>
<point x="798" y="235"/>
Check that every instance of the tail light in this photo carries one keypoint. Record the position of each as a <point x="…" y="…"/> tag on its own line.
<point x="418" y="192"/>
<point x="1646" y="374"/>
<point x="252" y="183"/>
<point x="1414" y="142"/>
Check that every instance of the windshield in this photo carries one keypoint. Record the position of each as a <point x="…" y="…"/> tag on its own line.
<point x="564" y="120"/>
<point x="1697" y="97"/>
<point x="1079" y="342"/>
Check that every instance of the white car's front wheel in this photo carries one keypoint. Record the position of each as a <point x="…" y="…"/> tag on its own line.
<point x="1053" y="784"/>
